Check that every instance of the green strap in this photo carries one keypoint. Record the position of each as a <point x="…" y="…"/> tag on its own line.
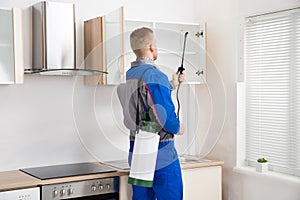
<point x="139" y="182"/>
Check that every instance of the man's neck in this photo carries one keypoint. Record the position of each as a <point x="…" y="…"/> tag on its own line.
<point x="144" y="58"/>
<point x="141" y="61"/>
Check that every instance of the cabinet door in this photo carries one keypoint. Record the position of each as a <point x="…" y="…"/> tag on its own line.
<point x="93" y="50"/>
<point x="170" y="42"/>
<point x="202" y="183"/>
<point x="113" y="26"/>
<point x="11" y="48"/>
<point x="103" y="48"/>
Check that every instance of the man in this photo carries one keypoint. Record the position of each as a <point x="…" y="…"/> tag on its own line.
<point x="156" y="106"/>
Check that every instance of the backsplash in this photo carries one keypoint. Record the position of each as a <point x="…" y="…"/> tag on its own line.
<point x="38" y="127"/>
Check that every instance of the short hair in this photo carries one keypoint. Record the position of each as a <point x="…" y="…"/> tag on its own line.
<point x="141" y="39"/>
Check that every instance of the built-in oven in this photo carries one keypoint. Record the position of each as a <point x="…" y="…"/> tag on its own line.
<point x="96" y="189"/>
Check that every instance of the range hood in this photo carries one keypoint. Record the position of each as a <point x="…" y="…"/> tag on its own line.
<point x="54" y="40"/>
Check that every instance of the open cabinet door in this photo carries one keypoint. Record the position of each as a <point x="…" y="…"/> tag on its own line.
<point x="104" y="48"/>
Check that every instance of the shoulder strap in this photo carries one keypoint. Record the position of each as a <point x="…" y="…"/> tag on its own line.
<point x="137" y="121"/>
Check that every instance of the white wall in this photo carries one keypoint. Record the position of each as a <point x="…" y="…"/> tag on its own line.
<point x="40" y="120"/>
<point x="223" y="30"/>
<point x="55" y="120"/>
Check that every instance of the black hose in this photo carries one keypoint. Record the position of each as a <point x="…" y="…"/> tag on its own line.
<point x="178" y="102"/>
<point x="180" y="71"/>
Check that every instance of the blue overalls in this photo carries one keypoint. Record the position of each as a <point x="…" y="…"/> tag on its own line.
<point x="167" y="183"/>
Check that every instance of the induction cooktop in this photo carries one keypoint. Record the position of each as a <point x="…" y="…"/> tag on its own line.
<point x="61" y="171"/>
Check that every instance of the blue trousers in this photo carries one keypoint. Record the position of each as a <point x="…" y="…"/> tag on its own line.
<point x="167" y="182"/>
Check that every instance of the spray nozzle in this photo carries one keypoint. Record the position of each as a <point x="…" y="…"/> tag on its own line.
<point x="181" y="68"/>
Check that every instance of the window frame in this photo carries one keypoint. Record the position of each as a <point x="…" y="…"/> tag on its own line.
<point x="241" y="101"/>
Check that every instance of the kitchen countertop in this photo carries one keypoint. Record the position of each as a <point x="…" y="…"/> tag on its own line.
<point x="197" y="164"/>
<point x="16" y="179"/>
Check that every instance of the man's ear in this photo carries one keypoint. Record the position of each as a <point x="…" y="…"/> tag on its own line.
<point x="152" y="48"/>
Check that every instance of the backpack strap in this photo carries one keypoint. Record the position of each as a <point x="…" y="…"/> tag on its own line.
<point x="137" y="121"/>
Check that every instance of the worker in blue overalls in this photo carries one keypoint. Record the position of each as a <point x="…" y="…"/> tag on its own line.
<point x="156" y="98"/>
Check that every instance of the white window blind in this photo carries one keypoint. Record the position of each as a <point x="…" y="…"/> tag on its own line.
<point x="272" y="63"/>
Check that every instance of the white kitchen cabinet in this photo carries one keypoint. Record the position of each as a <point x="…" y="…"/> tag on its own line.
<point x="202" y="183"/>
<point x="107" y="49"/>
<point x="11" y="46"/>
<point x="198" y="183"/>
<point x="21" y="194"/>
<point x="170" y="41"/>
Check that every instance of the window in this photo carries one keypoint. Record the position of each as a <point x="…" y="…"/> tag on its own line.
<point x="272" y="80"/>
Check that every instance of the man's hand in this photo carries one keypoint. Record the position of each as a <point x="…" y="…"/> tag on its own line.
<point x="178" y="79"/>
<point x="181" y="131"/>
<point x="181" y="77"/>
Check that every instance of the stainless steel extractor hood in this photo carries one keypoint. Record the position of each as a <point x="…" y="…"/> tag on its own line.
<point x="54" y="40"/>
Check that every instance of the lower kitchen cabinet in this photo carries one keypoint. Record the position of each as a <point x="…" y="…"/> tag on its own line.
<point x="125" y="190"/>
<point x="199" y="183"/>
<point x="202" y="183"/>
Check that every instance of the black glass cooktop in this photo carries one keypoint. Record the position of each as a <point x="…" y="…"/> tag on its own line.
<point x="60" y="171"/>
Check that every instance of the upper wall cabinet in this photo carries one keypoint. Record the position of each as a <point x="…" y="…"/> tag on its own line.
<point x="103" y="48"/>
<point x="170" y="41"/>
<point x="11" y="46"/>
<point x="107" y="48"/>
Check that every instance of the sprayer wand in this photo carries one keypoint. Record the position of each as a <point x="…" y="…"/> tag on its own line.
<point x="181" y="68"/>
<point x="180" y="71"/>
